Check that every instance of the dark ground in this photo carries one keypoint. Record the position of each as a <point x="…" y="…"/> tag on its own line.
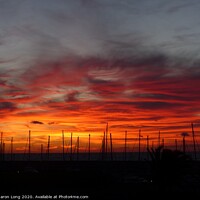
<point x="96" y="179"/>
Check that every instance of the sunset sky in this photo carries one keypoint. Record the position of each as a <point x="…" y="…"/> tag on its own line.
<point x="75" y="65"/>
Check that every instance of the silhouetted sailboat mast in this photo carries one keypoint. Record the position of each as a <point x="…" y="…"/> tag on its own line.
<point x="106" y="140"/>
<point x="103" y="147"/>
<point x="48" y="147"/>
<point x="194" y="143"/>
<point x="29" y="145"/>
<point x="63" y="144"/>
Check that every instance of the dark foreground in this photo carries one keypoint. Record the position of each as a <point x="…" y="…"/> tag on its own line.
<point x="95" y="179"/>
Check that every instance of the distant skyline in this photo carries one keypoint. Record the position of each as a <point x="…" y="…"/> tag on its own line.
<point x="75" y="65"/>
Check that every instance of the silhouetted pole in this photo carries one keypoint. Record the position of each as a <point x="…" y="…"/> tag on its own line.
<point x="184" y="144"/>
<point x="106" y="141"/>
<point x="194" y="144"/>
<point x="89" y="148"/>
<point x="29" y="145"/>
<point x="41" y="152"/>
<point x="71" y="147"/>
<point x="77" y="152"/>
<point x="11" y="148"/>
<point x="111" y="150"/>
<point x="103" y="146"/>
<point x="125" y="146"/>
<point x="63" y="144"/>
<point x="48" y="147"/>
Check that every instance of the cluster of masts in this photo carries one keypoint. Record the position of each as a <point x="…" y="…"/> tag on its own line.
<point x="106" y="142"/>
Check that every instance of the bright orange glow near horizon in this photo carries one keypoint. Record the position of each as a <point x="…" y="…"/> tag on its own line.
<point x="53" y="127"/>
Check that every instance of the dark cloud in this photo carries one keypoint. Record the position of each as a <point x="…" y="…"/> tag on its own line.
<point x="36" y="122"/>
<point x="162" y="97"/>
<point x="7" y="106"/>
<point x="156" y="105"/>
<point x="147" y="104"/>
